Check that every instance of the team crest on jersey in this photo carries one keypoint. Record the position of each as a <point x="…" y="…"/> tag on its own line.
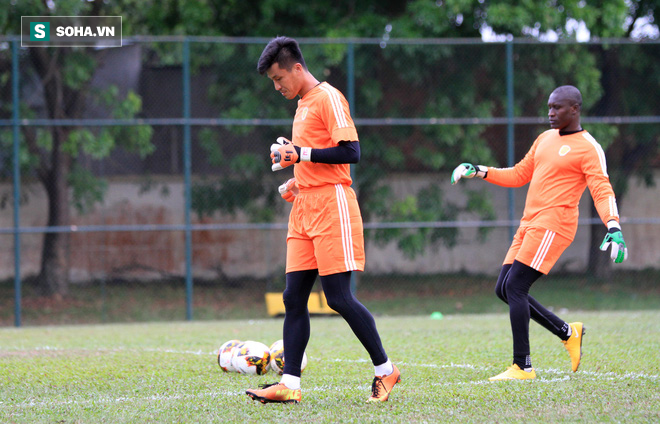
<point x="564" y="150"/>
<point x="303" y="115"/>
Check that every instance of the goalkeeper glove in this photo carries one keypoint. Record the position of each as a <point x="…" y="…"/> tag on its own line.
<point x="283" y="154"/>
<point x="289" y="190"/>
<point x="614" y="238"/>
<point x="467" y="170"/>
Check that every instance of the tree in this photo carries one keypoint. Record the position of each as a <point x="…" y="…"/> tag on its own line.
<point x="635" y="147"/>
<point x="623" y="79"/>
<point x="612" y="79"/>
<point x="456" y="82"/>
<point x="446" y="82"/>
<point x="52" y="153"/>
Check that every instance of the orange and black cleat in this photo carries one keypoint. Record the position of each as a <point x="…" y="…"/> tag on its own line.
<point x="382" y="386"/>
<point x="274" y="393"/>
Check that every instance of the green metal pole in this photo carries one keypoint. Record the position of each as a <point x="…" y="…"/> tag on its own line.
<point x="186" y="177"/>
<point x="510" y="129"/>
<point x="17" y="184"/>
<point x="350" y="87"/>
<point x="350" y="76"/>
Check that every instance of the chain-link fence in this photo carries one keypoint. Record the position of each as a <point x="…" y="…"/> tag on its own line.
<point x="136" y="182"/>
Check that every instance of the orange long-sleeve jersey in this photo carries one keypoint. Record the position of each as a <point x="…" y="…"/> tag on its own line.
<point x="322" y="120"/>
<point x="558" y="168"/>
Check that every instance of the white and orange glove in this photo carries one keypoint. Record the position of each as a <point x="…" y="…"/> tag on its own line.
<point x="289" y="190"/>
<point x="283" y="154"/>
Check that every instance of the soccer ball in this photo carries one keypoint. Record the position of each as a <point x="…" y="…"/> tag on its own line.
<point x="277" y="358"/>
<point x="251" y="358"/>
<point x="225" y="353"/>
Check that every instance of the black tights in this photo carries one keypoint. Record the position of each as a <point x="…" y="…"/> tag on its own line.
<point x="337" y="289"/>
<point x="512" y="287"/>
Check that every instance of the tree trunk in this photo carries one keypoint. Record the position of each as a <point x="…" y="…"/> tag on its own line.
<point x="54" y="278"/>
<point x="54" y="169"/>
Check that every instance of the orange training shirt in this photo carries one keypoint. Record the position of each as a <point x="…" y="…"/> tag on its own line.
<point x="322" y="120"/>
<point x="558" y="168"/>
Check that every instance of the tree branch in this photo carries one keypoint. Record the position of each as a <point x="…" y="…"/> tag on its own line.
<point x="43" y="169"/>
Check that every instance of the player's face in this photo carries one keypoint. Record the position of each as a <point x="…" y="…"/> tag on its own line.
<point x="288" y="83"/>
<point x="561" y="112"/>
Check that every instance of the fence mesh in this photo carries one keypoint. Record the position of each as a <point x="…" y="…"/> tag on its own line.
<point x="118" y="183"/>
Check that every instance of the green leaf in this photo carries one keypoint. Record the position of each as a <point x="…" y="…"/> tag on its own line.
<point x="87" y="189"/>
<point x="77" y="69"/>
<point x="208" y="140"/>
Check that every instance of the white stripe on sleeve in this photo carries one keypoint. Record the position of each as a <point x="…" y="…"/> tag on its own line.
<point x="599" y="151"/>
<point x="337" y="107"/>
<point x="614" y="209"/>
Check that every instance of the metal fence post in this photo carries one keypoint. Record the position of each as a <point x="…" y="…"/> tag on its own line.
<point x="17" y="183"/>
<point x="186" y="176"/>
<point x="510" y="135"/>
<point x="350" y="76"/>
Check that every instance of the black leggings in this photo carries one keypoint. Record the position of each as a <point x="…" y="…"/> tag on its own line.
<point x="337" y="289"/>
<point x="512" y="287"/>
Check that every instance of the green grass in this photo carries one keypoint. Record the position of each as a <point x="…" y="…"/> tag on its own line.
<point x="167" y="372"/>
<point x="455" y="294"/>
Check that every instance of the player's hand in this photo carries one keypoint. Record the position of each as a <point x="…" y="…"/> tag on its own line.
<point x="614" y="238"/>
<point x="283" y="154"/>
<point x="289" y="190"/>
<point x="467" y="170"/>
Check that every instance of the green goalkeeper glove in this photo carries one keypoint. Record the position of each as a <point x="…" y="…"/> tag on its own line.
<point x="614" y="238"/>
<point x="467" y="170"/>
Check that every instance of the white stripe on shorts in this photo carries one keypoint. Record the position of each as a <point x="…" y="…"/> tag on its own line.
<point x="346" y="231"/>
<point x="543" y="249"/>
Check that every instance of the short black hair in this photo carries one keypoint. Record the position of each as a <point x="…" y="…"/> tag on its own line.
<point x="284" y="51"/>
<point x="571" y="93"/>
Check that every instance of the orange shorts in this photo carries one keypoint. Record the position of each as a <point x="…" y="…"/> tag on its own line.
<point x="325" y="231"/>
<point x="537" y="248"/>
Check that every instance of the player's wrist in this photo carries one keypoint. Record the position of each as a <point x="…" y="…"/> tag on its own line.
<point x="482" y="171"/>
<point x="304" y="153"/>
<point x="613" y="226"/>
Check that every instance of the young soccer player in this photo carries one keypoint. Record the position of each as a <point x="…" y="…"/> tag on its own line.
<point x="561" y="163"/>
<point x="325" y="226"/>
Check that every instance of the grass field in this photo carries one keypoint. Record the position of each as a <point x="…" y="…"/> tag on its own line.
<point x="167" y="372"/>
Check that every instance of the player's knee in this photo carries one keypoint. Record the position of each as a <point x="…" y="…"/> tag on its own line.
<point x="293" y="301"/>
<point x="337" y="303"/>
<point x="499" y="292"/>
<point x="516" y="293"/>
<point x="500" y="286"/>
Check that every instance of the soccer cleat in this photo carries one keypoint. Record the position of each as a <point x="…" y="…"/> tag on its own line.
<point x="274" y="393"/>
<point x="514" y="373"/>
<point x="574" y="344"/>
<point x="382" y="386"/>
